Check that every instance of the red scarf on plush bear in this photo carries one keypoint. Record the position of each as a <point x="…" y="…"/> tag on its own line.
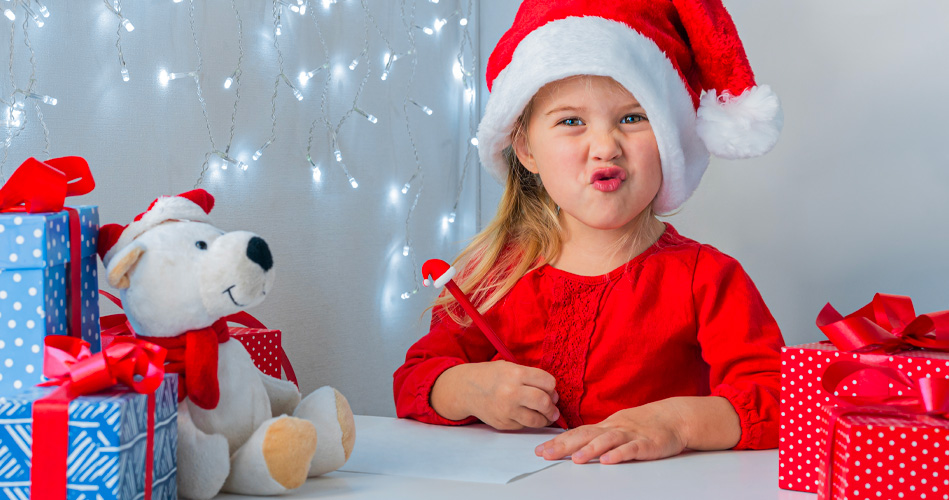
<point x="193" y="356"/>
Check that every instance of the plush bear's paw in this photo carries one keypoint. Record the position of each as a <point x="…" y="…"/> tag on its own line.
<point x="329" y="411"/>
<point x="288" y="447"/>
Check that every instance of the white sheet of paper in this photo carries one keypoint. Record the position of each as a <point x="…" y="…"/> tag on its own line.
<point x="478" y="453"/>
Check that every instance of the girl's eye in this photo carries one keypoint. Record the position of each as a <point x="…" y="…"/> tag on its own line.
<point x="632" y="119"/>
<point x="201" y="245"/>
<point x="572" y="122"/>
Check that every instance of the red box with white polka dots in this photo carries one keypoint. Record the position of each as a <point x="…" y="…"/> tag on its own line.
<point x="263" y="346"/>
<point x="880" y="457"/>
<point x="802" y="399"/>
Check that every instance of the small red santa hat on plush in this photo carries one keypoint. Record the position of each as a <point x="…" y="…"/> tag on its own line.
<point x="193" y="206"/>
<point x="666" y="53"/>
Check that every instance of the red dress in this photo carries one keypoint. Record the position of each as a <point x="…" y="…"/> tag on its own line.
<point x="680" y="319"/>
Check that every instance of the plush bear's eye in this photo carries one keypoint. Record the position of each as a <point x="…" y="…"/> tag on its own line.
<point x="201" y="245"/>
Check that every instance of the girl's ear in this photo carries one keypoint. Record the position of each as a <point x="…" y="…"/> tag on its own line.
<point x="523" y="152"/>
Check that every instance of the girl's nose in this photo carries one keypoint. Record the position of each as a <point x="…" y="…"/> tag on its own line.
<point x="604" y="146"/>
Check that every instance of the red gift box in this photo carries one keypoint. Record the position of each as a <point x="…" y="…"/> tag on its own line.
<point x="878" y="334"/>
<point x="263" y="344"/>
<point x="802" y="398"/>
<point x="886" y="457"/>
<point x="892" y="446"/>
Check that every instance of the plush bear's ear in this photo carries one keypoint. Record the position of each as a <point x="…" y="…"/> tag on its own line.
<point x="123" y="263"/>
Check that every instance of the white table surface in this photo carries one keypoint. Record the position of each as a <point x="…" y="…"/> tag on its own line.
<point x="721" y="475"/>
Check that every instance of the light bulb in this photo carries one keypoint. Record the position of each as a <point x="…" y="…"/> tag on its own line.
<point x="163" y="77"/>
<point x="228" y="82"/>
<point x="368" y="116"/>
<point x="127" y="24"/>
<point x="242" y="165"/>
<point x="339" y="155"/>
<point x="125" y="74"/>
<point x="406" y="295"/>
<point x="43" y="10"/>
<point x="451" y="217"/>
<point x="10" y="15"/>
<point x="260" y="152"/>
<point x="405" y="251"/>
<point x="279" y="30"/>
<point x="428" y="31"/>
<point x="456" y="70"/>
<point x="439" y="23"/>
<point x="474" y="141"/>
<point x="463" y="21"/>
<point x="353" y="182"/>
<point x="352" y="65"/>
<point x="405" y="188"/>
<point x="317" y="175"/>
<point x="302" y="9"/>
<point x="223" y="165"/>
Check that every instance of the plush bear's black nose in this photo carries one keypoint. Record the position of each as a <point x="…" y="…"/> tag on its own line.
<point x="259" y="252"/>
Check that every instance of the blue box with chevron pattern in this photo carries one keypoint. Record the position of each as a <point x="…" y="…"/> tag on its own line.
<point x="107" y="443"/>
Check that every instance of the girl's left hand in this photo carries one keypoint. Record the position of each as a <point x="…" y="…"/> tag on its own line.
<point x="647" y="432"/>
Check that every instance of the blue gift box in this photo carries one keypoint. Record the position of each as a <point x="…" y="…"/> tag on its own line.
<point x="34" y="279"/>
<point x="106" y="448"/>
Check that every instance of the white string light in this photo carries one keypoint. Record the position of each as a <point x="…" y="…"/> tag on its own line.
<point x="225" y="155"/>
<point x="114" y="6"/>
<point x="459" y="69"/>
<point x="15" y="117"/>
<point x="342" y="148"/>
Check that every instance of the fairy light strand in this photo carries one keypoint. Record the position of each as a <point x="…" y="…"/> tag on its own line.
<point x="409" y="23"/>
<point x="468" y="79"/>
<point x="123" y="69"/>
<point x="277" y="28"/>
<point x="30" y="93"/>
<point x="225" y="156"/>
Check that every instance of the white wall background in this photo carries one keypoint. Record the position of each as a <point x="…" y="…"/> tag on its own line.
<point x="338" y="250"/>
<point x="854" y="199"/>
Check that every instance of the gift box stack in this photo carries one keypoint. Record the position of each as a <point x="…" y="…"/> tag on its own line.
<point x="870" y="379"/>
<point x="49" y="315"/>
<point x="40" y="275"/>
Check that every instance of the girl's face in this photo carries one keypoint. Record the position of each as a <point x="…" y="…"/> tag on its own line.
<point x="595" y="151"/>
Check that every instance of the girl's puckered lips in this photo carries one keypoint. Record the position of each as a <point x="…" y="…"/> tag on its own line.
<point x="608" y="179"/>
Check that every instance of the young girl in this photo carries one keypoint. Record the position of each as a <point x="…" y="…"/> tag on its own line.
<point x="645" y="341"/>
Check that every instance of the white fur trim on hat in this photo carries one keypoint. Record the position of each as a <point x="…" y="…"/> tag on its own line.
<point x="597" y="46"/>
<point x="164" y="209"/>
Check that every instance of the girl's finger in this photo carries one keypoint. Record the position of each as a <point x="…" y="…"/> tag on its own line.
<point x="569" y="442"/>
<point x="602" y="443"/>
<point x="623" y="453"/>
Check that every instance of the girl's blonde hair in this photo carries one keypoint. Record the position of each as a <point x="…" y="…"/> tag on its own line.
<point x="524" y="235"/>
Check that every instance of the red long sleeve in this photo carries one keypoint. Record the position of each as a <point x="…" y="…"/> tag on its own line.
<point x="681" y="319"/>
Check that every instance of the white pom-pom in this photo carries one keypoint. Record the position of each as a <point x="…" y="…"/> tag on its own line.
<point x="742" y="126"/>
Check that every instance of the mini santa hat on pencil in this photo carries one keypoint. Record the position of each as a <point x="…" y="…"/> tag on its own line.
<point x="666" y="53"/>
<point x="193" y="206"/>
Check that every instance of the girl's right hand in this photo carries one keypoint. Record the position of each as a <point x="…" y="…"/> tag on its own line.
<point x="504" y="395"/>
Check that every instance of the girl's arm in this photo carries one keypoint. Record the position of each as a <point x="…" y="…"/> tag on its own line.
<point x="656" y="430"/>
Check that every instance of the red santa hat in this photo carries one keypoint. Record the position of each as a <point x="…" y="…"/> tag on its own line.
<point x="682" y="60"/>
<point x="194" y="206"/>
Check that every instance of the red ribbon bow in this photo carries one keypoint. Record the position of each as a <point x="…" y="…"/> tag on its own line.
<point x="43" y="186"/>
<point x="70" y="365"/>
<point x="922" y="398"/>
<point x="887" y="324"/>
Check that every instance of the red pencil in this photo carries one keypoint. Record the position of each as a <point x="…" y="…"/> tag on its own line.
<point x="439" y="273"/>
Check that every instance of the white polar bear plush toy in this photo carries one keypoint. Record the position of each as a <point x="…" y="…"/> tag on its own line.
<point x="239" y="430"/>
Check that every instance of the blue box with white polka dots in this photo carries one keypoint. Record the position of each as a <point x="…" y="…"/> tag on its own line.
<point x="106" y="449"/>
<point x="34" y="289"/>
